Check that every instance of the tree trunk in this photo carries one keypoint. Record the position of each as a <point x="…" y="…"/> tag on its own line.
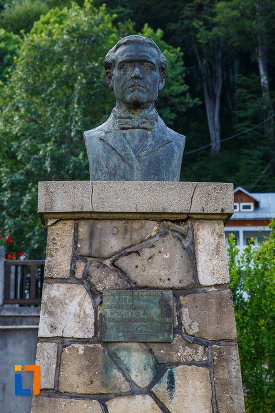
<point x="232" y="70"/>
<point x="261" y="52"/>
<point x="212" y="87"/>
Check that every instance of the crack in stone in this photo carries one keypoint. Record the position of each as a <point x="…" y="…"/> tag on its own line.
<point x="158" y="402"/>
<point x="104" y="408"/>
<point x="192" y="196"/>
<point x="188" y="245"/>
<point x="99" y="397"/>
<point x="206" y="343"/>
<point x="52" y="222"/>
<point x="92" y="190"/>
<point x="58" y="365"/>
<point x="211" y="367"/>
<point x="122" y="368"/>
<point x="74" y="251"/>
<point x="121" y="274"/>
<point x="135" y="248"/>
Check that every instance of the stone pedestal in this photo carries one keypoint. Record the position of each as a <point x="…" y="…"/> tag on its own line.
<point x="128" y="236"/>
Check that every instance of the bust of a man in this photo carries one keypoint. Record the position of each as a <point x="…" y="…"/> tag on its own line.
<point x="134" y="144"/>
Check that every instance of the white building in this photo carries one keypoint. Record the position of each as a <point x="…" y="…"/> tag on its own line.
<point x="252" y="214"/>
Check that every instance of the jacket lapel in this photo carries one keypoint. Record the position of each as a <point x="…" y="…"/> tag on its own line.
<point x="118" y="141"/>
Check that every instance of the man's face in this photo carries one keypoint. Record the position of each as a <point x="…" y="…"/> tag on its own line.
<point x="136" y="78"/>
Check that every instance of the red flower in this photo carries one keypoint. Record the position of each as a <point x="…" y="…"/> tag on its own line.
<point x="9" y="256"/>
<point x="20" y="254"/>
<point x="13" y="256"/>
<point x="0" y="236"/>
<point x="9" y="241"/>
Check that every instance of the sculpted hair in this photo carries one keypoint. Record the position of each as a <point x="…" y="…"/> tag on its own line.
<point x="110" y="56"/>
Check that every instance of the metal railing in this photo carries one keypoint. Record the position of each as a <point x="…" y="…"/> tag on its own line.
<point x="23" y="282"/>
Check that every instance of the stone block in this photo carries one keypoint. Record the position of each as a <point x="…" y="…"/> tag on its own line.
<point x="87" y="369"/>
<point x="185" y="389"/>
<point x="179" y="351"/>
<point x="210" y="250"/>
<point x="209" y="315"/>
<point x="79" y="269"/>
<point x="135" y="198"/>
<point x="46" y="358"/>
<point x="58" y="405"/>
<point x="165" y="264"/>
<point x="133" y="404"/>
<point x="137" y="362"/>
<point x="102" y="277"/>
<point x="66" y="311"/>
<point x="105" y="238"/>
<point x="59" y="250"/>
<point x="228" y="379"/>
<point x="212" y="198"/>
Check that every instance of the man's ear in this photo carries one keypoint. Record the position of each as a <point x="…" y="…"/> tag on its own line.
<point x="109" y="78"/>
<point x="162" y="74"/>
<point x="161" y="83"/>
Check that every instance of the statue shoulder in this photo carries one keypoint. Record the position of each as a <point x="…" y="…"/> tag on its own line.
<point x="94" y="133"/>
<point x="176" y="137"/>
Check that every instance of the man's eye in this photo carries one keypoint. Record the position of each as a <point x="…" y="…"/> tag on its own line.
<point x="126" y="66"/>
<point x="147" y="67"/>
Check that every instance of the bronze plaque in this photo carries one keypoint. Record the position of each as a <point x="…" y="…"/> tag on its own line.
<point x="137" y="315"/>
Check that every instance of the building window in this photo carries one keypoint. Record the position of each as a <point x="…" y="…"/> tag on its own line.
<point x="246" y="206"/>
<point x="255" y="237"/>
<point x="236" y="206"/>
<point x="235" y="234"/>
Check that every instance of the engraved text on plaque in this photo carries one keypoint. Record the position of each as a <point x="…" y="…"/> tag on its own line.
<point x="137" y="315"/>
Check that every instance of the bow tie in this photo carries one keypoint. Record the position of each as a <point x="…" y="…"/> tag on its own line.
<point x="128" y="121"/>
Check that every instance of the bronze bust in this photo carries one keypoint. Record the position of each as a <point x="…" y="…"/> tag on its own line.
<point x="134" y="144"/>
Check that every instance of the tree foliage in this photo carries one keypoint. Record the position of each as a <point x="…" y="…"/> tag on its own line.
<point x="252" y="277"/>
<point x="9" y="46"/>
<point x="233" y="28"/>
<point x="56" y="91"/>
<point x="20" y="15"/>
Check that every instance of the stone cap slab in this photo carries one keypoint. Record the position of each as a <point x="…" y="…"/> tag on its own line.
<point x="134" y="200"/>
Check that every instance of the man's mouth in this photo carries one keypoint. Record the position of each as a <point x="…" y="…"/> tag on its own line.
<point x="138" y="87"/>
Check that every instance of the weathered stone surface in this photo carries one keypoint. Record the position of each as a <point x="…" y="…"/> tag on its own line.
<point x="165" y="265"/>
<point x="79" y="269"/>
<point x="104" y="238"/>
<point x="212" y="197"/>
<point x="102" y="277"/>
<point x="66" y="311"/>
<point x="175" y="322"/>
<point x="137" y="362"/>
<point x="87" y="369"/>
<point x="185" y="389"/>
<point x="135" y="198"/>
<point x="179" y="351"/>
<point x="133" y="404"/>
<point x="209" y="315"/>
<point x="228" y="379"/>
<point x="46" y="358"/>
<point x="59" y="250"/>
<point x="210" y="250"/>
<point x="54" y="405"/>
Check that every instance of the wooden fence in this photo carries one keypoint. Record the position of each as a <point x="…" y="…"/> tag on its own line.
<point x="23" y="282"/>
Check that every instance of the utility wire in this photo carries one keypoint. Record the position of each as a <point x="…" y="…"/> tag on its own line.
<point x="262" y="173"/>
<point x="231" y="137"/>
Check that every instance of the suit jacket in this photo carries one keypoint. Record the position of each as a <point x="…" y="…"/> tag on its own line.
<point x="134" y="154"/>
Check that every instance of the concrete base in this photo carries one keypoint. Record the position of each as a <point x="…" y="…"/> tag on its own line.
<point x="137" y="235"/>
<point x="18" y="342"/>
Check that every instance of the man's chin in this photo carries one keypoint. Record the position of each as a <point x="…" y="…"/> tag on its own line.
<point x="137" y="100"/>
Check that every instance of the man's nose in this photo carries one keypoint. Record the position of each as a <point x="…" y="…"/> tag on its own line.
<point x="137" y="74"/>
